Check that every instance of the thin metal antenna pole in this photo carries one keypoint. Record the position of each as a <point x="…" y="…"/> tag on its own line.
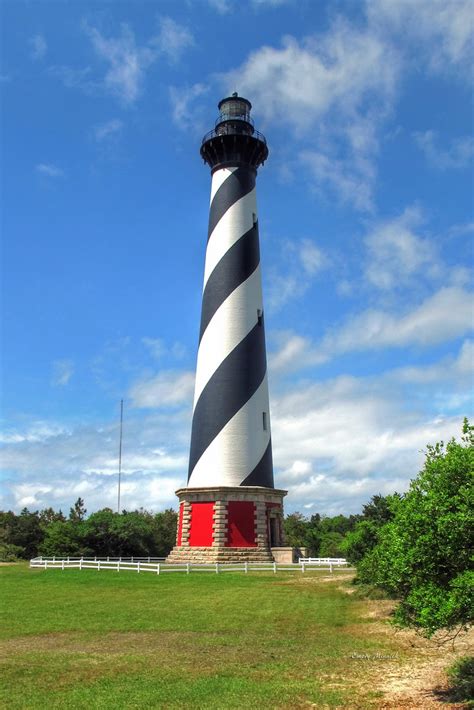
<point x="120" y="455"/>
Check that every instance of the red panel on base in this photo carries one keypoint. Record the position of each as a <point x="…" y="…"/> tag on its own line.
<point x="202" y="519"/>
<point x="241" y="524"/>
<point x="180" y="525"/>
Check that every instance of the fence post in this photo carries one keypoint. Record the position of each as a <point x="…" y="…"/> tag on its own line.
<point x="118" y="566"/>
<point x="132" y="558"/>
<point x="68" y="558"/>
<point x="62" y="565"/>
<point x="98" y="566"/>
<point x="158" y="568"/>
<point x="246" y="567"/>
<point x="148" y="560"/>
<point x="302" y="567"/>
<point x="138" y="567"/>
<point x="80" y="563"/>
<point x="187" y="568"/>
<point x="217" y="568"/>
<point x="108" y="558"/>
<point x="274" y="568"/>
<point x="54" y="559"/>
<point x="330" y="567"/>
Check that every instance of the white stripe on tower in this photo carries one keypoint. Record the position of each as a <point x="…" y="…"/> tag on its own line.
<point x="230" y="443"/>
<point x="232" y="321"/>
<point x="236" y="221"/>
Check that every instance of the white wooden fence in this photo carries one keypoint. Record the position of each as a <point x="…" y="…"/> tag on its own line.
<point x="68" y="558"/>
<point x="127" y="565"/>
<point x="335" y="561"/>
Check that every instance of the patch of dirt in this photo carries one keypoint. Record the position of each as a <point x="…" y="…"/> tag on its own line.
<point x="418" y="685"/>
<point x="379" y="609"/>
<point x="419" y="681"/>
<point x="309" y="578"/>
<point x="110" y="643"/>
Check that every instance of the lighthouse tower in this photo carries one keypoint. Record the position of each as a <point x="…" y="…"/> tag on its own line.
<point x="230" y="509"/>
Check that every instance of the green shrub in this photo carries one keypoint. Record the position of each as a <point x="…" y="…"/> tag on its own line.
<point x="461" y="677"/>
<point x="11" y="553"/>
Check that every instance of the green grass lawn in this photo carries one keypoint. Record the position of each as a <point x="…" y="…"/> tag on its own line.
<point x="106" y="640"/>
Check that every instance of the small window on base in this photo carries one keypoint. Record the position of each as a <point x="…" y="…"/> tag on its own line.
<point x="259" y="316"/>
<point x="264" y="421"/>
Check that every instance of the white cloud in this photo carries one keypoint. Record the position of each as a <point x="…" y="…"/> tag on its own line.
<point x="29" y="494"/>
<point x="39" y="47"/>
<point x="48" y="464"/>
<point x="156" y="346"/>
<point x="339" y="70"/>
<point x="75" y="78"/>
<point x="441" y="31"/>
<point x="108" y="130"/>
<point x="49" y="170"/>
<point x="460" y="229"/>
<point x="336" y="443"/>
<point x="339" y="442"/>
<point x="336" y="89"/>
<point x="303" y="261"/>
<point x="293" y="353"/>
<point x="223" y="7"/>
<point x="36" y="432"/>
<point x="311" y="257"/>
<point x="458" y="155"/>
<point x="173" y="38"/>
<point x="351" y="181"/>
<point x="396" y="254"/>
<point x="183" y="104"/>
<point x="270" y="3"/>
<point x="63" y="370"/>
<point x="445" y="315"/>
<point x="168" y="388"/>
<point x="460" y="367"/>
<point x="126" y="61"/>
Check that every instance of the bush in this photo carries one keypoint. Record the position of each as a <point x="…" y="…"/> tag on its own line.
<point x="423" y="554"/>
<point x="461" y="677"/>
<point x="11" y="553"/>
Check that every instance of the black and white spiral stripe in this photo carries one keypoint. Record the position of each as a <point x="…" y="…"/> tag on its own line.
<point x="230" y="441"/>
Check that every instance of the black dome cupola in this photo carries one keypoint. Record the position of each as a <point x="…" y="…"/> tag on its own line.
<point x="234" y="142"/>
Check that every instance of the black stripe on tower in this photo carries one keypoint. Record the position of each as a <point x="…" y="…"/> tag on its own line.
<point x="262" y="475"/>
<point x="235" y="267"/>
<point x="233" y="383"/>
<point x="237" y="185"/>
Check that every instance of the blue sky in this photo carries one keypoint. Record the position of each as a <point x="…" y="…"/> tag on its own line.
<point x="366" y="225"/>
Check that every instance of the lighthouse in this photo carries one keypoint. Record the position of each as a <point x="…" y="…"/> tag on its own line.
<point x="230" y="510"/>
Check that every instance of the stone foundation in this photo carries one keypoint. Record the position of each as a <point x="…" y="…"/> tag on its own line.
<point x="225" y="524"/>
<point x="288" y="555"/>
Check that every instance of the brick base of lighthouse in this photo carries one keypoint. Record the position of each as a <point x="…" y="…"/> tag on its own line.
<point x="226" y="524"/>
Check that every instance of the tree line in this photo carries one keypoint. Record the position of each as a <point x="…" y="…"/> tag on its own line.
<point x="103" y="533"/>
<point x="139" y="533"/>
